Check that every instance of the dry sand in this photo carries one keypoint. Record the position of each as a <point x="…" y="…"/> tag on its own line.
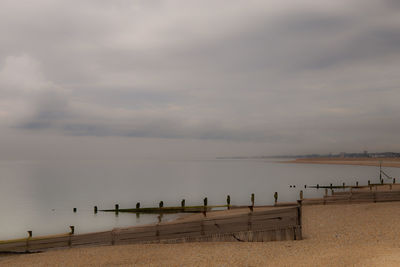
<point x="334" y="235"/>
<point x="386" y="162"/>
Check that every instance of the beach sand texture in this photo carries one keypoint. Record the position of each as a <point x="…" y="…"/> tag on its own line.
<point x="334" y="235"/>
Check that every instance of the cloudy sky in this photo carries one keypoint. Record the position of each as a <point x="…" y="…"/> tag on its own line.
<point x="129" y="78"/>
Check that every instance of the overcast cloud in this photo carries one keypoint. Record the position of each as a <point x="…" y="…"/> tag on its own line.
<point x="198" y="77"/>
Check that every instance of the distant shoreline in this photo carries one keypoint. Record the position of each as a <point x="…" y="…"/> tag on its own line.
<point x="386" y="162"/>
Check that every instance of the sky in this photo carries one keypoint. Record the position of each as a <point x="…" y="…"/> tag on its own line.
<point x="153" y="78"/>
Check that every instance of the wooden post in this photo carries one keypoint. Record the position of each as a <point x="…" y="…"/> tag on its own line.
<point x="344" y="185"/>
<point x="326" y="192"/>
<point x="161" y="204"/>
<point x="138" y="205"/>
<point x="331" y="186"/>
<point x="70" y="234"/>
<point x="228" y="201"/>
<point x="300" y="202"/>
<point x="113" y="234"/>
<point x="394" y="180"/>
<point x="370" y="187"/>
<point x="390" y="186"/>
<point x="369" y="182"/>
<point x="74" y="209"/>
<point x="317" y="186"/>
<point x="332" y="192"/>
<point x="276" y="197"/>
<point x="297" y="230"/>
<point x="357" y="183"/>
<point x="160" y="216"/>
<point x="116" y="208"/>
<point x="252" y="202"/>
<point x="95" y="209"/>
<point x="301" y="194"/>
<point x="27" y="241"/>
<point x="183" y="203"/>
<point x="205" y="202"/>
<point x="305" y="186"/>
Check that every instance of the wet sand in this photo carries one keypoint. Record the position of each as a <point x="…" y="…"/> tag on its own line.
<point x="334" y="235"/>
<point x="386" y="162"/>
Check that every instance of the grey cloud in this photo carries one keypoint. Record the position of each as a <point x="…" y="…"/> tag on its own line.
<point x="255" y="72"/>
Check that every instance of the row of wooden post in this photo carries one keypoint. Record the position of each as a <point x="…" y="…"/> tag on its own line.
<point x="228" y="198"/>
<point x="183" y="203"/>
<point x="161" y="205"/>
<point x="344" y="184"/>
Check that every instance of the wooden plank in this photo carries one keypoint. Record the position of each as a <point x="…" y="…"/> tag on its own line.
<point x="239" y="218"/>
<point x="102" y="238"/>
<point x="16" y="246"/>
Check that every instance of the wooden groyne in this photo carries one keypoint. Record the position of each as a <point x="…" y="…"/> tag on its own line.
<point x="357" y="194"/>
<point x="259" y="225"/>
<point x="187" y="209"/>
<point x="355" y="197"/>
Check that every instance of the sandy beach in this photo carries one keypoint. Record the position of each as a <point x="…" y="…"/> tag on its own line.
<point x="386" y="162"/>
<point x="334" y="235"/>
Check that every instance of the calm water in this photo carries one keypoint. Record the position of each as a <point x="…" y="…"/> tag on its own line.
<point x="40" y="195"/>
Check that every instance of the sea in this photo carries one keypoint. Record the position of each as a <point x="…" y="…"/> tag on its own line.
<point x="40" y="196"/>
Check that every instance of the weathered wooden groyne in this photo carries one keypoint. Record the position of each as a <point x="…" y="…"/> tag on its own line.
<point x="355" y="197"/>
<point x="259" y="225"/>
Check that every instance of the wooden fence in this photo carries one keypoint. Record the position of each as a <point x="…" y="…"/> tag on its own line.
<point x="257" y="226"/>
<point x="355" y="197"/>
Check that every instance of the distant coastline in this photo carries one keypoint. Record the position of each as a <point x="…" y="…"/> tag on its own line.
<point x="386" y="162"/>
<point x="342" y="155"/>
<point x="384" y="159"/>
